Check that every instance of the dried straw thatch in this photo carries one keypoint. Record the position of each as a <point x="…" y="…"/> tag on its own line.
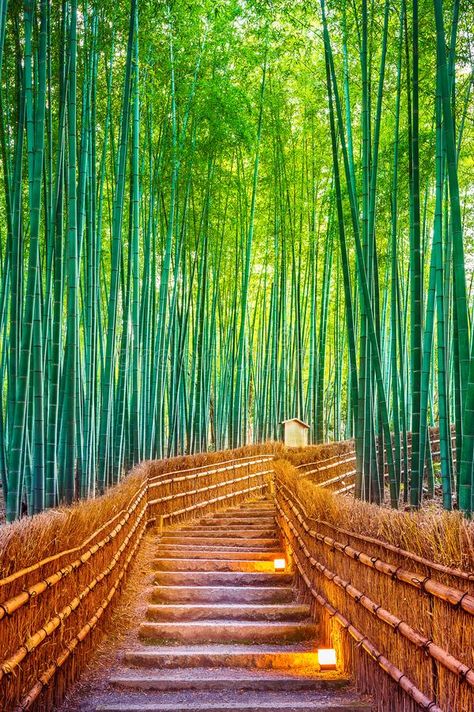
<point x="26" y="541"/>
<point x="443" y="537"/>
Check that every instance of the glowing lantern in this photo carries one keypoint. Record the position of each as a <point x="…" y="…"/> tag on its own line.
<point x="327" y="658"/>
<point x="279" y="564"/>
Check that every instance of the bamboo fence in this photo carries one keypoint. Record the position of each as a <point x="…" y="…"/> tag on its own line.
<point x="401" y="624"/>
<point x="337" y="473"/>
<point x="50" y="609"/>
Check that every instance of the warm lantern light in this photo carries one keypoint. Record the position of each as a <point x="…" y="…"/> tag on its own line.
<point x="327" y="658"/>
<point x="280" y="564"/>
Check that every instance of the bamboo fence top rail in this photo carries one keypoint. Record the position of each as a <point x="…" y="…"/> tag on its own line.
<point x="67" y="552"/>
<point x="456" y="597"/>
<point x="345" y="489"/>
<point x="338" y="478"/>
<point x="331" y="466"/>
<point x="324" y="460"/>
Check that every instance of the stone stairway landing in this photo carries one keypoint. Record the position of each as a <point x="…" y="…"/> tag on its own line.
<point x="223" y="630"/>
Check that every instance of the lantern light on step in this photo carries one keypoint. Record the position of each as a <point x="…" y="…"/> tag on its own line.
<point x="279" y="564"/>
<point x="327" y="658"/>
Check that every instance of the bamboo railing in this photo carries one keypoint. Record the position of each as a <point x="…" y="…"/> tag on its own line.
<point x="410" y="620"/>
<point x="403" y="625"/>
<point x="50" y="609"/>
<point x="320" y="471"/>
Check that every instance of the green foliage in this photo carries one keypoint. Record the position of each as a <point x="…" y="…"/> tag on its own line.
<point x="190" y="254"/>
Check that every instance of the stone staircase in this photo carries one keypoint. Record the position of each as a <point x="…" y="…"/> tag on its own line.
<point x="224" y="631"/>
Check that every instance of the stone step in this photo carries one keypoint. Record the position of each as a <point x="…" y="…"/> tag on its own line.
<point x="240" y="542"/>
<point x="205" y="679"/>
<point x="222" y="578"/>
<point x="240" y="514"/>
<point x="223" y="611"/>
<point x="214" y="631"/>
<point x="192" y="547"/>
<point x="235" y="522"/>
<point x="165" y="564"/>
<point x="259" y="706"/>
<point x="303" y="701"/>
<point x="246" y="513"/>
<point x="223" y="594"/>
<point x="262" y="657"/>
<point x="247" y="508"/>
<point x="185" y="552"/>
<point x="225" y="532"/>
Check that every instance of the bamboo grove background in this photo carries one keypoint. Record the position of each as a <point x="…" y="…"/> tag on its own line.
<point x="216" y="216"/>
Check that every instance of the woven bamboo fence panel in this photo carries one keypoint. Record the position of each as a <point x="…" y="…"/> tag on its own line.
<point x="49" y="611"/>
<point x="402" y="625"/>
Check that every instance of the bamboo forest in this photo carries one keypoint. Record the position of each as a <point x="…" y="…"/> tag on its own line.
<point x="219" y="215"/>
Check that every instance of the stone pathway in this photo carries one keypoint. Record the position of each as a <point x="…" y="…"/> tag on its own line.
<point x="223" y="630"/>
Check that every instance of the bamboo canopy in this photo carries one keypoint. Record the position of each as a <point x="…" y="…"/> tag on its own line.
<point x="215" y="219"/>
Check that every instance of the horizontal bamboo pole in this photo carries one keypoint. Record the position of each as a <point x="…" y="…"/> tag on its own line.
<point x="363" y="642"/>
<point x="208" y="488"/>
<point x="343" y="490"/>
<point x="67" y="552"/>
<point x="462" y="671"/>
<point x="9" y="607"/>
<point x="460" y="595"/>
<point x="30" y="698"/>
<point x="335" y="480"/>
